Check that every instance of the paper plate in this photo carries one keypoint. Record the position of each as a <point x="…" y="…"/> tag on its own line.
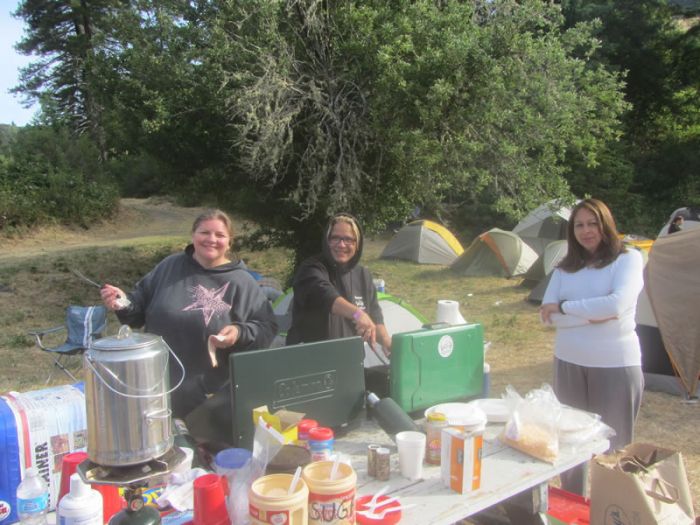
<point x="573" y="420"/>
<point x="496" y="410"/>
<point x="460" y="414"/>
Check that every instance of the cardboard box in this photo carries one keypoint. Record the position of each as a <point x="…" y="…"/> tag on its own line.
<point x="460" y="459"/>
<point x="283" y="421"/>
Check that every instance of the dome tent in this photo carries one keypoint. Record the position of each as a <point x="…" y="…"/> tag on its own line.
<point x="553" y="254"/>
<point x="544" y="224"/>
<point x="495" y="252"/>
<point x="424" y="242"/>
<point x="691" y="217"/>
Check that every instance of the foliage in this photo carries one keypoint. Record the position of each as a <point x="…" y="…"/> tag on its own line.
<point x="377" y="107"/>
<point x="69" y="38"/>
<point x="290" y="110"/>
<point x="7" y="134"/>
<point x="50" y="176"/>
<point x="660" y="154"/>
<point x="163" y="107"/>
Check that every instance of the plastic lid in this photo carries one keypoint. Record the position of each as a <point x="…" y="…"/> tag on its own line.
<point x="305" y="425"/>
<point x="460" y="414"/>
<point x="437" y="416"/>
<point x="475" y="418"/>
<point x="320" y="434"/>
<point x="31" y="472"/>
<point x="232" y="458"/>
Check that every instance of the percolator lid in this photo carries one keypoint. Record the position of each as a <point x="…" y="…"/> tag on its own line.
<point x="126" y="339"/>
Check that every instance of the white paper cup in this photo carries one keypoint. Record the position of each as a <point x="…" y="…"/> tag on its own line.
<point x="411" y="447"/>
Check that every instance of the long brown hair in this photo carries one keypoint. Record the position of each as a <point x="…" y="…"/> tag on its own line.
<point x="610" y="247"/>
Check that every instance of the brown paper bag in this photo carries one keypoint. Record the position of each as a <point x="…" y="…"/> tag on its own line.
<point x="642" y="485"/>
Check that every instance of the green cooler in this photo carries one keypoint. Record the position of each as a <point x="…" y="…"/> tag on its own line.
<point x="431" y="366"/>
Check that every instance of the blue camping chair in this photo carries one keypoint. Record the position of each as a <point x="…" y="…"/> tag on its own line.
<point x="83" y="323"/>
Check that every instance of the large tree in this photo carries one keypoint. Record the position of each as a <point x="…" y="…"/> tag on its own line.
<point x="375" y="107"/>
<point x="68" y="39"/>
<point x="659" y="158"/>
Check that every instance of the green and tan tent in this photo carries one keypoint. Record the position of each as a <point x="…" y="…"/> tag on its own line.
<point x="496" y="252"/>
<point x="542" y="270"/>
<point x="544" y="224"/>
<point x="424" y="242"/>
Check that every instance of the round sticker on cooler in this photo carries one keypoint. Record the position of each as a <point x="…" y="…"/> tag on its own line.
<point x="445" y="346"/>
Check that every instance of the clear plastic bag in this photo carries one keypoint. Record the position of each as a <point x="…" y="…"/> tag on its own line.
<point x="266" y="444"/>
<point x="539" y="424"/>
<point x="532" y="427"/>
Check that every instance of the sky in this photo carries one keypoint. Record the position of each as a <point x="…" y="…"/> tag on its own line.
<point x="11" y="29"/>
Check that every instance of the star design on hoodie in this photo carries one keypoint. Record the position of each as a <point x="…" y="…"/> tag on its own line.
<point x="210" y="302"/>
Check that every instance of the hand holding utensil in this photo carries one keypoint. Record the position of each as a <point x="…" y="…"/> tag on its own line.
<point x="121" y="302"/>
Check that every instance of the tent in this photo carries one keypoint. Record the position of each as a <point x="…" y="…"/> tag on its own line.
<point x="544" y="224"/>
<point x="424" y="242"/>
<point x="496" y="252"/>
<point x="672" y="284"/>
<point x="690" y="215"/>
<point x="553" y="253"/>
<point x="643" y="244"/>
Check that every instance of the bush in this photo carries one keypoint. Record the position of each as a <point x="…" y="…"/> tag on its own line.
<point x="48" y="177"/>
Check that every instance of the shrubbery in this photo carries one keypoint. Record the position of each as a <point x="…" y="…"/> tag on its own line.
<point x="48" y="176"/>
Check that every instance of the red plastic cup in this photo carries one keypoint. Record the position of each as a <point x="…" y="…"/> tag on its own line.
<point x="112" y="502"/>
<point x="69" y="466"/>
<point x="210" y="491"/>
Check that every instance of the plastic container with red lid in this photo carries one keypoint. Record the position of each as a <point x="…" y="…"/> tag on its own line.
<point x="321" y="440"/>
<point x="303" y="428"/>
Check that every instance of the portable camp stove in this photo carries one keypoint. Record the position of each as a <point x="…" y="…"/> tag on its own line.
<point x="135" y="480"/>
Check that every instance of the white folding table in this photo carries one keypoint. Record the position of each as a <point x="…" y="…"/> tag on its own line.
<point x="505" y="473"/>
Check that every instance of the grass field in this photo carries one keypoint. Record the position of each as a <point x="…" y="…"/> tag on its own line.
<point x="34" y="292"/>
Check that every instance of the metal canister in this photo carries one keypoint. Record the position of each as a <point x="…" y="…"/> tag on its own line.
<point x="127" y="398"/>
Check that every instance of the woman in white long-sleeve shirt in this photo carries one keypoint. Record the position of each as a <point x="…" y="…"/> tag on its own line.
<point x="591" y="299"/>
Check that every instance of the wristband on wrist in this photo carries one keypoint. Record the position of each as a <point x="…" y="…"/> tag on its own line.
<point x="356" y="315"/>
<point x="560" y="306"/>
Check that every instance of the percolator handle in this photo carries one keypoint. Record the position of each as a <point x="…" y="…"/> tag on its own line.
<point x="122" y="332"/>
<point x="163" y="413"/>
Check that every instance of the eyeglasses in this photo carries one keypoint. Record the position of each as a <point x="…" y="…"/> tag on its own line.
<point x="337" y="239"/>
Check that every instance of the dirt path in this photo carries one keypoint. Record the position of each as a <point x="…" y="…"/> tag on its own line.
<point x="137" y="219"/>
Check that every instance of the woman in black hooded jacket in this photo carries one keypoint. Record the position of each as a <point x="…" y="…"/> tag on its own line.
<point x="334" y="296"/>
